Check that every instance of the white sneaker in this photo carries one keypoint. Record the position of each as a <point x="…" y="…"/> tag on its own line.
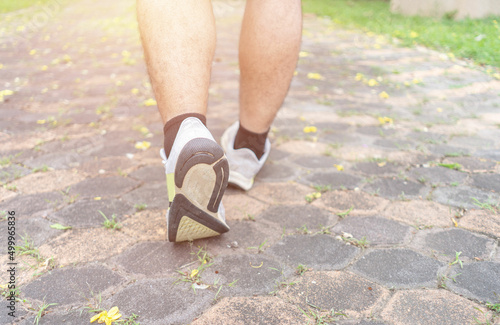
<point x="197" y="174"/>
<point x="243" y="163"/>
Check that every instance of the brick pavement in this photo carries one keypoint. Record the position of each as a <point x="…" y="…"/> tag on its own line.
<point x="403" y="145"/>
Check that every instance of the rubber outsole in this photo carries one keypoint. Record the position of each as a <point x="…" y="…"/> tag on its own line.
<point x="201" y="178"/>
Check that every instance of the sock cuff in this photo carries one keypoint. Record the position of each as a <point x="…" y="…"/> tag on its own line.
<point x="179" y="118"/>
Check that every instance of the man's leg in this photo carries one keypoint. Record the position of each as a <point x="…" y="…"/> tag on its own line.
<point x="178" y="37"/>
<point x="269" y="48"/>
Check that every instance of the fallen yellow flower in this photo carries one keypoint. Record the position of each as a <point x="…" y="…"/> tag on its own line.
<point x="383" y="95"/>
<point x="315" y="76"/>
<point x="359" y="76"/>
<point x="40" y="122"/>
<point x="33" y="52"/>
<point x="44" y="68"/>
<point x="107" y="317"/>
<point x="142" y="145"/>
<point x="134" y="91"/>
<point x="310" y="129"/>
<point x="150" y="102"/>
<point x="372" y="82"/>
<point x="385" y="119"/>
<point x="194" y="272"/>
<point x="413" y="34"/>
<point x="339" y="167"/>
<point x="303" y="54"/>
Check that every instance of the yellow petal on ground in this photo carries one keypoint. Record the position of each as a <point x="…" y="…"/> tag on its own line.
<point x="439" y="109"/>
<point x="359" y="76"/>
<point x="303" y="54"/>
<point x="413" y="34"/>
<point x="115" y="317"/>
<point x="6" y="92"/>
<point x="150" y="102"/>
<point x="407" y="83"/>
<point x="383" y="95"/>
<point x="125" y="53"/>
<point x="20" y="28"/>
<point x="295" y="73"/>
<point x="454" y="222"/>
<point x="372" y="82"/>
<point x="96" y="317"/>
<point x="142" y="145"/>
<point x="451" y="55"/>
<point x="113" y="311"/>
<point x="376" y="46"/>
<point x="1" y="66"/>
<point x="134" y="91"/>
<point x="381" y="164"/>
<point x="33" y="52"/>
<point x="302" y="118"/>
<point x="495" y="75"/>
<point x="194" y="272"/>
<point x="339" y="167"/>
<point x="97" y="198"/>
<point x="144" y="129"/>
<point x="40" y="122"/>
<point x="417" y="81"/>
<point x="385" y="119"/>
<point x="310" y="129"/>
<point x="315" y="76"/>
<point x="317" y="195"/>
<point x="44" y="68"/>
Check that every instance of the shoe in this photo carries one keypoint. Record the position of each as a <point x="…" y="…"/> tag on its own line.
<point x="197" y="175"/>
<point x="243" y="163"/>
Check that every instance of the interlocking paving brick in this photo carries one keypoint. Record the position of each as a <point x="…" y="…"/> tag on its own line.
<point x="48" y="181"/>
<point x="85" y="213"/>
<point x="5" y="318"/>
<point x="362" y="322"/>
<point x="295" y="216"/>
<point x="6" y="194"/>
<point x="71" y="285"/>
<point x="154" y="258"/>
<point x="396" y="188"/>
<point x="479" y="280"/>
<point x="490" y="182"/>
<point x="437" y="175"/>
<point x="360" y="202"/>
<point x="84" y="245"/>
<point x="35" y="229"/>
<point x="159" y="302"/>
<point x="256" y="274"/>
<point x="419" y="213"/>
<point x="13" y="172"/>
<point x="483" y="221"/>
<point x="146" y="225"/>
<point x="400" y="268"/>
<point x="280" y="193"/>
<point x="57" y="160"/>
<point x="242" y="234"/>
<point x="472" y="164"/>
<point x="276" y="172"/>
<point x="116" y="165"/>
<point x="352" y="294"/>
<point x="103" y="186"/>
<point x="31" y="204"/>
<point x="463" y="196"/>
<point x="154" y="195"/>
<point x="337" y="180"/>
<point x="382" y="168"/>
<point x="429" y="307"/>
<point x="320" y="252"/>
<point x="151" y="173"/>
<point x="450" y="241"/>
<point x="377" y="230"/>
<point x="57" y="318"/>
<point x="251" y="311"/>
<point x="316" y="161"/>
<point x="238" y="205"/>
<point x="446" y="150"/>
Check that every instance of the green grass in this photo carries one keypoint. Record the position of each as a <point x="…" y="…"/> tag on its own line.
<point x="456" y="37"/>
<point x="11" y="5"/>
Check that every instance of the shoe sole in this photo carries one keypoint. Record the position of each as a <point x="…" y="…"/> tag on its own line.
<point x="201" y="177"/>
